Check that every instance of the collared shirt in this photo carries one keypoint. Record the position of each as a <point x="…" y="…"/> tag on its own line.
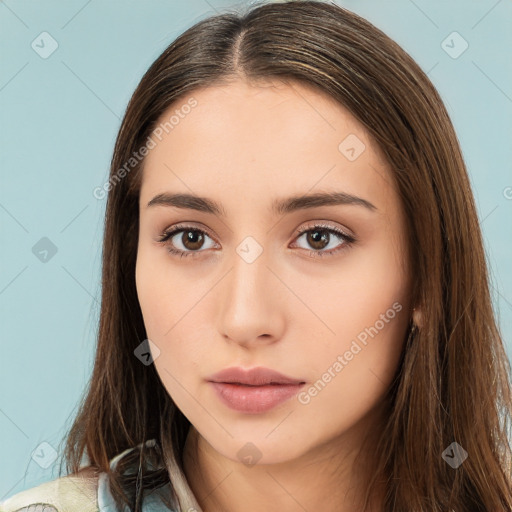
<point x="76" y="493"/>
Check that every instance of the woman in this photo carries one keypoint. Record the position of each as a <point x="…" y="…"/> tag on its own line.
<point x="295" y="303"/>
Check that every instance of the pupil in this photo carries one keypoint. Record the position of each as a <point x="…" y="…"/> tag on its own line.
<point x="318" y="237"/>
<point x="194" y="238"/>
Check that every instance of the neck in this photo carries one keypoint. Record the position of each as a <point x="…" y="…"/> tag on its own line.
<point x="332" y="477"/>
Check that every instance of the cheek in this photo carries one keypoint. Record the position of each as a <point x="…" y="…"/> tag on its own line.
<point x="159" y="297"/>
<point x="365" y="304"/>
<point x="169" y="308"/>
<point x="351" y="373"/>
<point x="357" y="292"/>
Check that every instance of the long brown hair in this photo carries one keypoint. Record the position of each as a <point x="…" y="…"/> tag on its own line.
<point x="453" y="382"/>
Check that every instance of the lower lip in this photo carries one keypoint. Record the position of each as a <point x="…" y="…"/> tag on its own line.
<point x="254" y="399"/>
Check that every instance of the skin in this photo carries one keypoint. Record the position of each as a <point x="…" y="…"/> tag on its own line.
<point x="245" y="145"/>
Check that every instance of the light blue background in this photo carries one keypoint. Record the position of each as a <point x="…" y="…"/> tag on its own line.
<point x="59" y="119"/>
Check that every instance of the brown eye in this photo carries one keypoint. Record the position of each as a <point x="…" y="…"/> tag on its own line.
<point x="192" y="239"/>
<point x="185" y="241"/>
<point x="320" y="237"/>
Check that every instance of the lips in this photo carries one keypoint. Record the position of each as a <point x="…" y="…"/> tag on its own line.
<point x="259" y="376"/>
<point x="253" y="391"/>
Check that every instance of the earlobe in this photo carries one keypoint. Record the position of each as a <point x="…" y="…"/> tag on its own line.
<point x="417" y="317"/>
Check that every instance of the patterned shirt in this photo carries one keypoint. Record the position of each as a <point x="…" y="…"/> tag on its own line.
<point x="78" y="494"/>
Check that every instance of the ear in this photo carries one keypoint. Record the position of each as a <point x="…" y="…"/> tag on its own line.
<point x="417" y="317"/>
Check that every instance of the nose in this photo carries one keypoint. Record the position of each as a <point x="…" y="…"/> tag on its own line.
<point x="252" y="304"/>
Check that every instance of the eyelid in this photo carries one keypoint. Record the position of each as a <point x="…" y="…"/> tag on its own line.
<point x="347" y="238"/>
<point x="182" y="226"/>
<point x="326" y="225"/>
<point x="309" y="225"/>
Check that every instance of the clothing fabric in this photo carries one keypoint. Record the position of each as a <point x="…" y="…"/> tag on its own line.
<point x="79" y="494"/>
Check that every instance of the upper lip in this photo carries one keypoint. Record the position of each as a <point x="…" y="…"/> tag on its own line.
<point x="252" y="377"/>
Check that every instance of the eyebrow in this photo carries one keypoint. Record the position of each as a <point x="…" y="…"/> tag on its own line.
<point x="278" y="206"/>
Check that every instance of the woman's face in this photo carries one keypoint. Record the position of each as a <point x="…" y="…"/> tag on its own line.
<point x="254" y="285"/>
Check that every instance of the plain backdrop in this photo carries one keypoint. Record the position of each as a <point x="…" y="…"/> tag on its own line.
<point x="60" y="113"/>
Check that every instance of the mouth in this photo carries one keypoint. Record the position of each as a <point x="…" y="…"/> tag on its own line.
<point x="259" y="376"/>
<point x="254" y="391"/>
<point x="254" y="399"/>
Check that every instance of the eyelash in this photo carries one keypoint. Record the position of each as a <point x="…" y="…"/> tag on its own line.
<point x="348" y="240"/>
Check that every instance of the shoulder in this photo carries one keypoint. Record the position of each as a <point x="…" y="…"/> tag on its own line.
<point x="69" y="493"/>
<point x="89" y="491"/>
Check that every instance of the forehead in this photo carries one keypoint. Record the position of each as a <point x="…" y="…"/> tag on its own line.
<point x="253" y="140"/>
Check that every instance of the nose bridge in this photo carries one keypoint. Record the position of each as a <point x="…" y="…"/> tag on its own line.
<point x="250" y="275"/>
<point x="248" y="308"/>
